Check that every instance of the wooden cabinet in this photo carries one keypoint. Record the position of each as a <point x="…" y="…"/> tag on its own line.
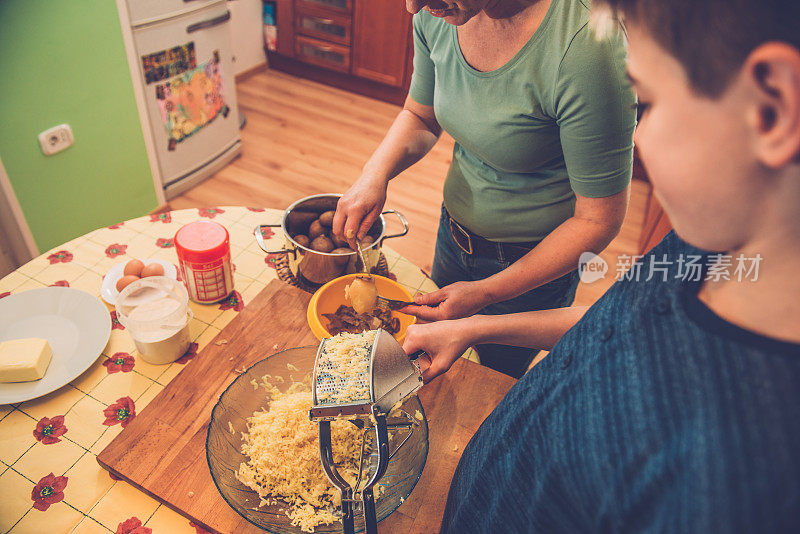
<point x="382" y="43"/>
<point x="321" y="25"/>
<point x="324" y="54"/>
<point x="364" y="46"/>
<point x="342" y="6"/>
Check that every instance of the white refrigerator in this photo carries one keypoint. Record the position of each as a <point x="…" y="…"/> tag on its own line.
<point x="186" y="92"/>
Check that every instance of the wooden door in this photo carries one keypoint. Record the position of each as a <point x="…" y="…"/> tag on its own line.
<point x="381" y="40"/>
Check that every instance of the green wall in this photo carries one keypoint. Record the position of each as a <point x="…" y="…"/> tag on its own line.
<point x="65" y="62"/>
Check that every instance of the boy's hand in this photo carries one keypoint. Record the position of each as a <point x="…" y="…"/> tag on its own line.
<point x="458" y="300"/>
<point x="443" y="342"/>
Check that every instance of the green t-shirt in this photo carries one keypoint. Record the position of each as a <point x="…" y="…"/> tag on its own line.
<point x="557" y="119"/>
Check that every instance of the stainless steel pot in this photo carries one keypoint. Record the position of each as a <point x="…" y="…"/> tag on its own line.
<point x="313" y="267"/>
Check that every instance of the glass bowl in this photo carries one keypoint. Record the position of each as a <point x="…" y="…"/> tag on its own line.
<point x="239" y="401"/>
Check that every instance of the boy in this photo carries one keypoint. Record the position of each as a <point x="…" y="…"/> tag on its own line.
<point x="673" y="403"/>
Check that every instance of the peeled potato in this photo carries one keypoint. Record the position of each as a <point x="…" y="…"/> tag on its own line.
<point x="302" y="240"/>
<point x="133" y="267"/>
<point x="322" y="244"/>
<point x="367" y="241"/>
<point x="315" y="230"/>
<point x="362" y="294"/>
<point x="326" y="219"/>
<point x="125" y="281"/>
<point x="153" y="269"/>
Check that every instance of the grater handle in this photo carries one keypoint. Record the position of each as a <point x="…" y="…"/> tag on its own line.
<point x="416" y="354"/>
<point x="367" y="497"/>
<point x="326" y="455"/>
<point x="370" y="517"/>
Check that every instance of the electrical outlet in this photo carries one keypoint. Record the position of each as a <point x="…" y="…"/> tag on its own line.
<point x="56" y="139"/>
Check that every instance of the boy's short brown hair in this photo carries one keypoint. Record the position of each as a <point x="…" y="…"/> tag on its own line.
<point x="712" y="38"/>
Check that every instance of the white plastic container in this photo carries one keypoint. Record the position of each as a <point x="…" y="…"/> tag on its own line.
<point x="155" y="311"/>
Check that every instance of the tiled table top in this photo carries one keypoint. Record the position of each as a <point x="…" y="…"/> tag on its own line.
<point x="50" y="481"/>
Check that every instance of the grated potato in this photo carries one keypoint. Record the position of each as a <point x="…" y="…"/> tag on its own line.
<point x="346" y="359"/>
<point x="282" y="447"/>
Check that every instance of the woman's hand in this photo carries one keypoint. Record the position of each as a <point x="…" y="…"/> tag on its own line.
<point x="359" y="207"/>
<point x="455" y="301"/>
<point x="443" y="342"/>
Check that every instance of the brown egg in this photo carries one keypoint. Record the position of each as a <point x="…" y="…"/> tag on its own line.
<point x="125" y="281"/>
<point x="153" y="269"/>
<point x="133" y="267"/>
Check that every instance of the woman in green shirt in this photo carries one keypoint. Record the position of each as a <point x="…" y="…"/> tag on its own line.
<point x="543" y="119"/>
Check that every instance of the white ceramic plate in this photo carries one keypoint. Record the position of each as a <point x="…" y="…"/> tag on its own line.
<point x="76" y="324"/>
<point x="108" y="289"/>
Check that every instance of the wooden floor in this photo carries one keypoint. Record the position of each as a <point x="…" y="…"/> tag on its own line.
<point x="304" y="138"/>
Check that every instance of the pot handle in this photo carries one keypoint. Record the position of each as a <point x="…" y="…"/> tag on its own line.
<point x="263" y="245"/>
<point x="403" y="221"/>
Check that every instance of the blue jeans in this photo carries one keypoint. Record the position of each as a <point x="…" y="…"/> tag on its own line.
<point x="451" y="264"/>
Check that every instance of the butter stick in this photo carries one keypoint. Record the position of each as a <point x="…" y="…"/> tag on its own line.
<point x="24" y="360"/>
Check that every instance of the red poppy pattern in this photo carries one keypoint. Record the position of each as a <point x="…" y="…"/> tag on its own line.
<point x="272" y="260"/>
<point x="121" y="412"/>
<point x="267" y="232"/>
<point x="48" y="431"/>
<point x="120" y="361"/>
<point x="191" y="352"/>
<point x="60" y="283"/>
<point x="49" y="490"/>
<point x="233" y="302"/>
<point x="115" y="324"/>
<point x="257" y="210"/>
<point x="5" y="294"/>
<point x="209" y="212"/>
<point x="163" y="217"/>
<point x="115" y="250"/>
<point x="133" y="526"/>
<point x="165" y="242"/>
<point x="115" y="226"/>
<point x="62" y="256"/>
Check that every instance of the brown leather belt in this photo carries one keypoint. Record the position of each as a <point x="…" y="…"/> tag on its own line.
<point x="473" y="244"/>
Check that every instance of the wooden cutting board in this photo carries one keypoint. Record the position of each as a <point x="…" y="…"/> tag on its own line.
<point x="162" y="451"/>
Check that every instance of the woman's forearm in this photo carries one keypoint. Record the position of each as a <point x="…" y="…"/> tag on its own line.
<point x="407" y="141"/>
<point x="555" y="256"/>
<point x="536" y="329"/>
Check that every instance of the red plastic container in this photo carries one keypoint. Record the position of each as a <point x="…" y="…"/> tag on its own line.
<point x="204" y="257"/>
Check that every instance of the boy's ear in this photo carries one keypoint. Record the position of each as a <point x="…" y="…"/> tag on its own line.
<point x="774" y="70"/>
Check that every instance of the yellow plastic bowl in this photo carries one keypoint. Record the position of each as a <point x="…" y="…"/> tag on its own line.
<point x="329" y="297"/>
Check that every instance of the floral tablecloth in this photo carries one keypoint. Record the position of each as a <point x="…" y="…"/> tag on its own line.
<point x="50" y="481"/>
